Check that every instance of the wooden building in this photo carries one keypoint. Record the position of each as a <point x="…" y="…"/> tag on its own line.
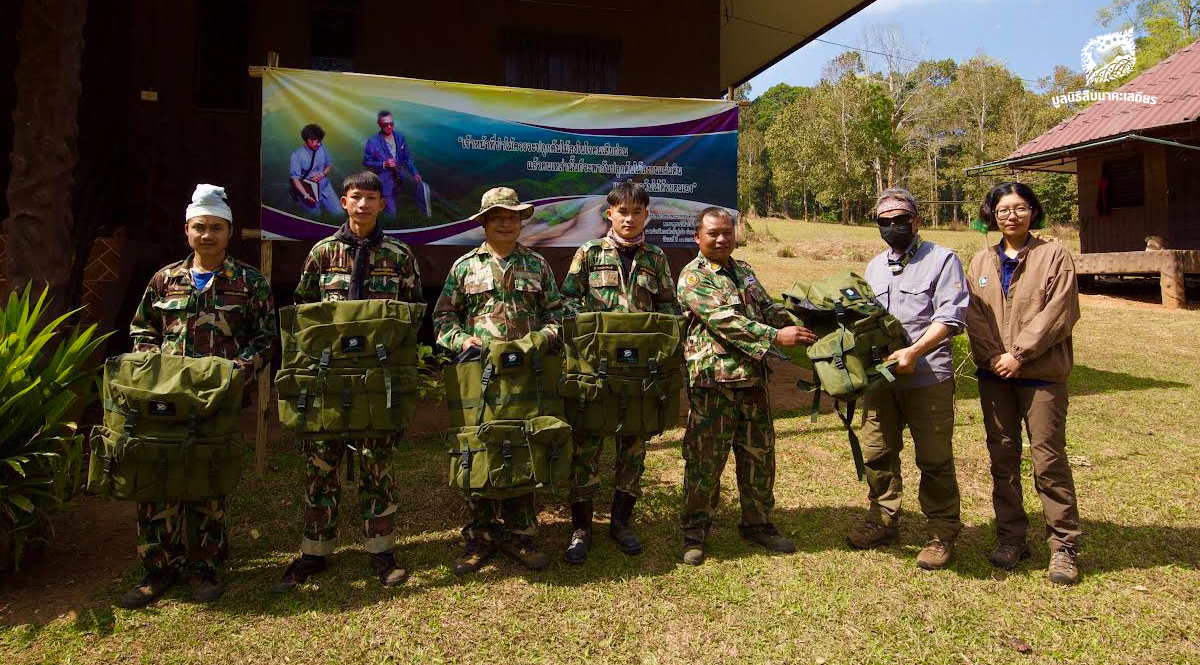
<point x="121" y="106"/>
<point x="1138" y="168"/>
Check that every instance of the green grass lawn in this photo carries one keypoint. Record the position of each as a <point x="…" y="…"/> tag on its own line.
<point x="1133" y="432"/>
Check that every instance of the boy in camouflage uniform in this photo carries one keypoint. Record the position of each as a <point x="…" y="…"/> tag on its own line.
<point x="731" y="324"/>
<point x="209" y="304"/>
<point x="357" y="262"/>
<point x="616" y="273"/>
<point x="500" y="290"/>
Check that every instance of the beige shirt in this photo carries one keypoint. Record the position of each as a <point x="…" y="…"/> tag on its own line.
<point x="1034" y="321"/>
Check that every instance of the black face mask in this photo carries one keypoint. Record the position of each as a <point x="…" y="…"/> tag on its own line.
<point x="898" y="237"/>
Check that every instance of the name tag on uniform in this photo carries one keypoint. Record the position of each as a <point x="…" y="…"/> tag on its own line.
<point x="337" y="270"/>
<point x="603" y="266"/>
<point x="172" y="293"/>
<point x="383" y="272"/>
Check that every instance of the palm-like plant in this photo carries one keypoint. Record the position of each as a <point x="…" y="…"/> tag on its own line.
<point x="40" y="447"/>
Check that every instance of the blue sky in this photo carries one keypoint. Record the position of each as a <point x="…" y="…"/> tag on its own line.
<point x="1030" y="36"/>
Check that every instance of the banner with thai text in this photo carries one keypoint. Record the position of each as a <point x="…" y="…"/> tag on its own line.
<point x="439" y="146"/>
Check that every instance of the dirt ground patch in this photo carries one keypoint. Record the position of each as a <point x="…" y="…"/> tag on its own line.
<point x="94" y="544"/>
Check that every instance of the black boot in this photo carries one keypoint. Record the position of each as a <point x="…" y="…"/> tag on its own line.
<point x="618" y="525"/>
<point x="581" y="537"/>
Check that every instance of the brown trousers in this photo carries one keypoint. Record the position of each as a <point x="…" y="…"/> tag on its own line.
<point x="1043" y="410"/>
<point x="929" y="414"/>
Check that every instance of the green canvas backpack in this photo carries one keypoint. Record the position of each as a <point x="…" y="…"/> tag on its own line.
<point x="624" y="372"/>
<point x="349" y="368"/>
<point x="170" y="429"/>
<point x="507" y="436"/>
<point x="855" y="335"/>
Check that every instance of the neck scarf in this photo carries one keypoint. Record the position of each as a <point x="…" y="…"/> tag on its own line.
<point x="622" y="243"/>
<point x="362" y="251"/>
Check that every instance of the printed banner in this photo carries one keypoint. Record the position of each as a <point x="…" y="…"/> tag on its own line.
<point x="442" y="145"/>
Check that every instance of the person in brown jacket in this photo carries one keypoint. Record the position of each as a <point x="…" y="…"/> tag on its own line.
<point x="1024" y="303"/>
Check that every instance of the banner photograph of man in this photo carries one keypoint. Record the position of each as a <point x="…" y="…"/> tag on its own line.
<point x="387" y="154"/>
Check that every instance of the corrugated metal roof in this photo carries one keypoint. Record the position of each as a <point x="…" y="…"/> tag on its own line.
<point x="1175" y="82"/>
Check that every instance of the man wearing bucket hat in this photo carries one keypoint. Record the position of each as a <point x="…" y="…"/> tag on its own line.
<point x="923" y="286"/>
<point x="209" y="304"/>
<point x="500" y="290"/>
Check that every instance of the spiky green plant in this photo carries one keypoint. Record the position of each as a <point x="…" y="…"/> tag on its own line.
<point x="40" y="447"/>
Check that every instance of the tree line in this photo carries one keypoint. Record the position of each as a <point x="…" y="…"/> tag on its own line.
<point x="881" y="116"/>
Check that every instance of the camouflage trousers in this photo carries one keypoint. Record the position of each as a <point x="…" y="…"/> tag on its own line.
<point x="501" y="519"/>
<point x="720" y="419"/>
<point x="629" y="467"/>
<point x="323" y="495"/>
<point x="177" y="534"/>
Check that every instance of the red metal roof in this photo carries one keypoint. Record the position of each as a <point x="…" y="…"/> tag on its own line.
<point x="1175" y="82"/>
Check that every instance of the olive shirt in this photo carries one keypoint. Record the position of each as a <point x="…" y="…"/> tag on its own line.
<point x="497" y="299"/>
<point x="233" y="317"/>
<point x="597" y="283"/>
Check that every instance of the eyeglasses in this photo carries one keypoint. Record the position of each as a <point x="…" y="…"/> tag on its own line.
<point x="1005" y="213"/>
<point x="898" y="220"/>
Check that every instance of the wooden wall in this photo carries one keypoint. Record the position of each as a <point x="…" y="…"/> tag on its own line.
<point x="1183" y="181"/>
<point x="1123" y="229"/>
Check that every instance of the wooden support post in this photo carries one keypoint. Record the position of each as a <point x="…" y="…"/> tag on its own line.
<point x="1172" y="282"/>
<point x="264" y="377"/>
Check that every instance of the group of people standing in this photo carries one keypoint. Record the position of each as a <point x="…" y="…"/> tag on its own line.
<point x="1018" y="302"/>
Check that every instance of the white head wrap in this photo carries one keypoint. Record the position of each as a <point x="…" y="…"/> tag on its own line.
<point x="209" y="200"/>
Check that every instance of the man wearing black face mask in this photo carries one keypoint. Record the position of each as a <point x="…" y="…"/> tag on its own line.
<point x="923" y="286"/>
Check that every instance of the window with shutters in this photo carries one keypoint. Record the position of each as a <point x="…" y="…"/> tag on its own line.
<point x="1127" y="182"/>
<point x="562" y="62"/>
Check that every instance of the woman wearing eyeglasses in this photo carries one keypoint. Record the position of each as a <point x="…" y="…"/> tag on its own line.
<point x="1024" y="303"/>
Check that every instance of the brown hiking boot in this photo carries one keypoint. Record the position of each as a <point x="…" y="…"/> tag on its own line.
<point x="936" y="553"/>
<point x="1008" y="555"/>
<point x="872" y="534"/>
<point x="1063" y="569"/>
<point x="478" y="552"/>
<point x="692" y="552"/>
<point x="522" y="550"/>
<point x="390" y="573"/>
<point x="206" y="585"/>
<point x="298" y="572"/>
<point x="152" y="586"/>
<point x="769" y="537"/>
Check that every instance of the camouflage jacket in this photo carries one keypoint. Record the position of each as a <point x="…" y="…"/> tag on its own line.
<point x="730" y="324"/>
<point x="326" y="273"/>
<point x="233" y="317"/>
<point x="483" y="299"/>
<point x="595" y="282"/>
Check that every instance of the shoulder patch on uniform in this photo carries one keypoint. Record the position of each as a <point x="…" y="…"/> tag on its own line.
<point x="983" y="281"/>
<point x="691" y="279"/>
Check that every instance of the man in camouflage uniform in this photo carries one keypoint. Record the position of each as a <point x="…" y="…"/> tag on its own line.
<point x="731" y="324"/>
<point x="616" y="273"/>
<point x="357" y="262"/>
<point x="209" y="304"/>
<point x="500" y="290"/>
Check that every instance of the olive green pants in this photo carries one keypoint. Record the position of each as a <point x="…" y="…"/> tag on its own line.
<point x="928" y="412"/>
